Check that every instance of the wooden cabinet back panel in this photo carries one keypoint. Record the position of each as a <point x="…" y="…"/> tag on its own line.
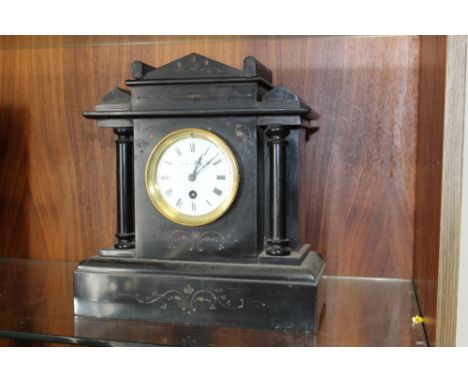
<point x="57" y="169"/>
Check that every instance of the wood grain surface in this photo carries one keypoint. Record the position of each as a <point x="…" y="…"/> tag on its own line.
<point x="362" y="162"/>
<point x="429" y="177"/>
<point x="452" y="165"/>
<point x="57" y="169"/>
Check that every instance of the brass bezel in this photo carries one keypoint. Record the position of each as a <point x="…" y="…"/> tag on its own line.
<point x="154" y="193"/>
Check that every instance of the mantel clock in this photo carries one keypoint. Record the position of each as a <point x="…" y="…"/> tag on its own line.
<point x="210" y="218"/>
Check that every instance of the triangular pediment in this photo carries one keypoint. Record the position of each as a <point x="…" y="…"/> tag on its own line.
<point x="116" y="99"/>
<point x="280" y="93"/>
<point x="193" y="66"/>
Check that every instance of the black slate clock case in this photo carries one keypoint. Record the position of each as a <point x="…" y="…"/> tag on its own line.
<point x="249" y="267"/>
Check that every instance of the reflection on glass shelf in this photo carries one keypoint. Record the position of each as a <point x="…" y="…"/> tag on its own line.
<point x="36" y="304"/>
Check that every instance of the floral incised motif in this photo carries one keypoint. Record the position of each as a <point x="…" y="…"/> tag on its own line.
<point x="190" y="300"/>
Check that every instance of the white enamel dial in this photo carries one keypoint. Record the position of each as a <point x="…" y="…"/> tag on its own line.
<point x="192" y="177"/>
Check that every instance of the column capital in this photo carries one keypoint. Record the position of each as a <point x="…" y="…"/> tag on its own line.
<point x="277" y="133"/>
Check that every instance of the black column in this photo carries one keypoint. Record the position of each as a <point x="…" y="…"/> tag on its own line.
<point x="277" y="244"/>
<point x="125" y="198"/>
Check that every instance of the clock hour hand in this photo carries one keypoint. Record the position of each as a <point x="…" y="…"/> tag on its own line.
<point x="206" y="164"/>
<point x="193" y="175"/>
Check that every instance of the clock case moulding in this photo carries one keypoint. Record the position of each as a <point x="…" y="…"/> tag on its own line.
<point x="250" y="267"/>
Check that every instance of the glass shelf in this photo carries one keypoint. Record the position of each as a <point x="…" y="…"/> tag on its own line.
<point x="36" y="306"/>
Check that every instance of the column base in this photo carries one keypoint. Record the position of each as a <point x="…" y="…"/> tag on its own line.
<point x="278" y="247"/>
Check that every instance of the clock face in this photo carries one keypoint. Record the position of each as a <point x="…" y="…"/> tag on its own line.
<point x="192" y="177"/>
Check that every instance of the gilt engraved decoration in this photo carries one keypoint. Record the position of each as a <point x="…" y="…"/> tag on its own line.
<point x="199" y="64"/>
<point x="198" y="241"/>
<point x="190" y="300"/>
<point x="244" y="134"/>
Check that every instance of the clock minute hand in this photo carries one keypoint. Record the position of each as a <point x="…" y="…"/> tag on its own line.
<point x="206" y="164"/>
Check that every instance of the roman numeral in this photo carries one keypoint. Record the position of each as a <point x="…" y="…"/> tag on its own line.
<point x="179" y="203"/>
<point x="221" y="177"/>
<point x="208" y="203"/>
<point x="168" y="192"/>
<point x="217" y="191"/>
<point x="178" y="151"/>
<point x="218" y="161"/>
<point x="192" y="147"/>
<point x="194" y="206"/>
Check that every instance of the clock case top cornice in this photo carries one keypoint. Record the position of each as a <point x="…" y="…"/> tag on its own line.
<point x="196" y="86"/>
